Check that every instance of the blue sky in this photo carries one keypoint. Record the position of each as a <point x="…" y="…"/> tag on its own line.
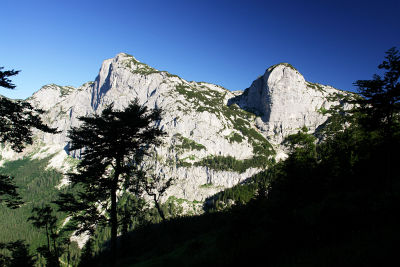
<point x="229" y="43"/>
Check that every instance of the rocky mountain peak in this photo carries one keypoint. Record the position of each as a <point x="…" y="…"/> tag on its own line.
<point x="283" y="75"/>
<point x="285" y="101"/>
<point x="215" y="138"/>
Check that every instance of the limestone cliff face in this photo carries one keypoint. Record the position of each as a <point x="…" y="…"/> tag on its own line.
<point x="215" y="138"/>
<point x="286" y="102"/>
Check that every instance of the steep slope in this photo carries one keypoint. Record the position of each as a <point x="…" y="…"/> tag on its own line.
<point x="202" y="129"/>
<point x="285" y="101"/>
<point x="212" y="141"/>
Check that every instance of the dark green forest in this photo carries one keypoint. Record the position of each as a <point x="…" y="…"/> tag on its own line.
<point x="37" y="186"/>
<point x="332" y="202"/>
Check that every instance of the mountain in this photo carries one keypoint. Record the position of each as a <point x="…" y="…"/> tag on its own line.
<point x="216" y="138"/>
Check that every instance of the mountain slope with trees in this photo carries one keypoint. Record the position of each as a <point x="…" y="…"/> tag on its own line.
<point x="330" y="203"/>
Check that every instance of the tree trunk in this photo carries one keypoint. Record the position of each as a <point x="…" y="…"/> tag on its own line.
<point x="160" y="211"/>
<point x="48" y="239"/>
<point x="113" y="215"/>
<point x="68" y="255"/>
<point x="56" y="253"/>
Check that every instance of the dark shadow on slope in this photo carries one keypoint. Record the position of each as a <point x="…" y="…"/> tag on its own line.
<point x="97" y="95"/>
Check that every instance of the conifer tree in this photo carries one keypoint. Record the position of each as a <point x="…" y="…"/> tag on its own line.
<point x="17" y="118"/>
<point x="380" y="102"/>
<point x="20" y="256"/>
<point x="43" y="218"/>
<point x="379" y="107"/>
<point x="110" y="145"/>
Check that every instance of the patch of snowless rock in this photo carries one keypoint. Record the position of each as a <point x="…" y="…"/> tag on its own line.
<point x="286" y="102"/>
<point x="282" y="98"/>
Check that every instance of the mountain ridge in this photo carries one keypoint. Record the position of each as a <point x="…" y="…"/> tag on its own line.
<point x="215" y="137"/>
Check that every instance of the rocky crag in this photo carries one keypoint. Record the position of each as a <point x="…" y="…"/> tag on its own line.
<point x="216" y="138"/>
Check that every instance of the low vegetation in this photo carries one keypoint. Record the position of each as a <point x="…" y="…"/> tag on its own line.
<point x="315" y="86"/>
<point x="213" y="101"/>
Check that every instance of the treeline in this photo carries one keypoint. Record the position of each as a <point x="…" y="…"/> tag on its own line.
<point x="332" y="202"/>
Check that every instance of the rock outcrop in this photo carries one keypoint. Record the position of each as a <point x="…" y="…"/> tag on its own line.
<point x="285" y="102"/>
<point x="215" y="138"/>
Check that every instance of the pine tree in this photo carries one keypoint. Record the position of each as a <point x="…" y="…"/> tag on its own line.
<point x="110" y="145"/>
<point x="17" y="118"/>
<point x="4" y="80"/>
<point x="44" y="218"/>
<point x="20" y="256"/>
<point x="379" y="107"/>
<point x="380" y="102"/>
<point x="86" y="259"/>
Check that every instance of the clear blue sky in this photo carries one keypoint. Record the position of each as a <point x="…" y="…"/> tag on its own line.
<point x="229" y="43"/>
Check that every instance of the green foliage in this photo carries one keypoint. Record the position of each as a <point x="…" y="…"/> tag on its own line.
<point x="86" y="259"/>
<point x="213" y="101"/>
<point x="17" y="118"/>
<point x="241" y="193"/>
<point x="189" y="144"/>
<point x="313" y="209"/>
<point x="65" y="90"/>
<point x="37" y="186"/>
<point x="44" y="218"/>
<point x="270" y="69"/>
<point x="262" y="150"/>
<point x="229" y="163"/>
<point x="332" y="203"/>
<point x="322" y="111"/>
<point x="235" y="137"/>
<point x="302" y="144"/>
<point x="184" y="164"/>
<point x="112" y="147"/>
<point x="204" y="99"/>
<point x="206" y="186"/>
<point x="261" y="147"/>
<point x="315" y="86"/>
<point x="380" y="102"/>
<point x="18" y="255"/>
<point x="8" y="192"/>
<point x="137" y="67"/>
<point x="4" y="80"/>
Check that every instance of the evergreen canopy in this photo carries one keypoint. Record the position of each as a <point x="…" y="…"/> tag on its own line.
<point x="110" y="146"/>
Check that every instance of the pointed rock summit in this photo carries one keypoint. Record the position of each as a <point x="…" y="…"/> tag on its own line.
<point x="285" y="101"/>
<point x="215" y="138"/>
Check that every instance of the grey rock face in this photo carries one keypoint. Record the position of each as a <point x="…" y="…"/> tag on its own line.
<point x="286" y="102"/>
<point x="203" y="121"/>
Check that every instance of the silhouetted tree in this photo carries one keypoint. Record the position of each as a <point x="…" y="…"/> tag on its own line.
<point x="8" y="192"/>
<point x="380" y="105"/>
<point x="380" y="102"/>
<point x="19" y="255"/>
<point x="155" y="185"/>
<point x="86" y="259"/>
<point x="131" y="212"/>
<point x="109" y="145"/>
<point x="17" y="118"/>
<point x="4" y="80"/>
<point x="44" y="218"/>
